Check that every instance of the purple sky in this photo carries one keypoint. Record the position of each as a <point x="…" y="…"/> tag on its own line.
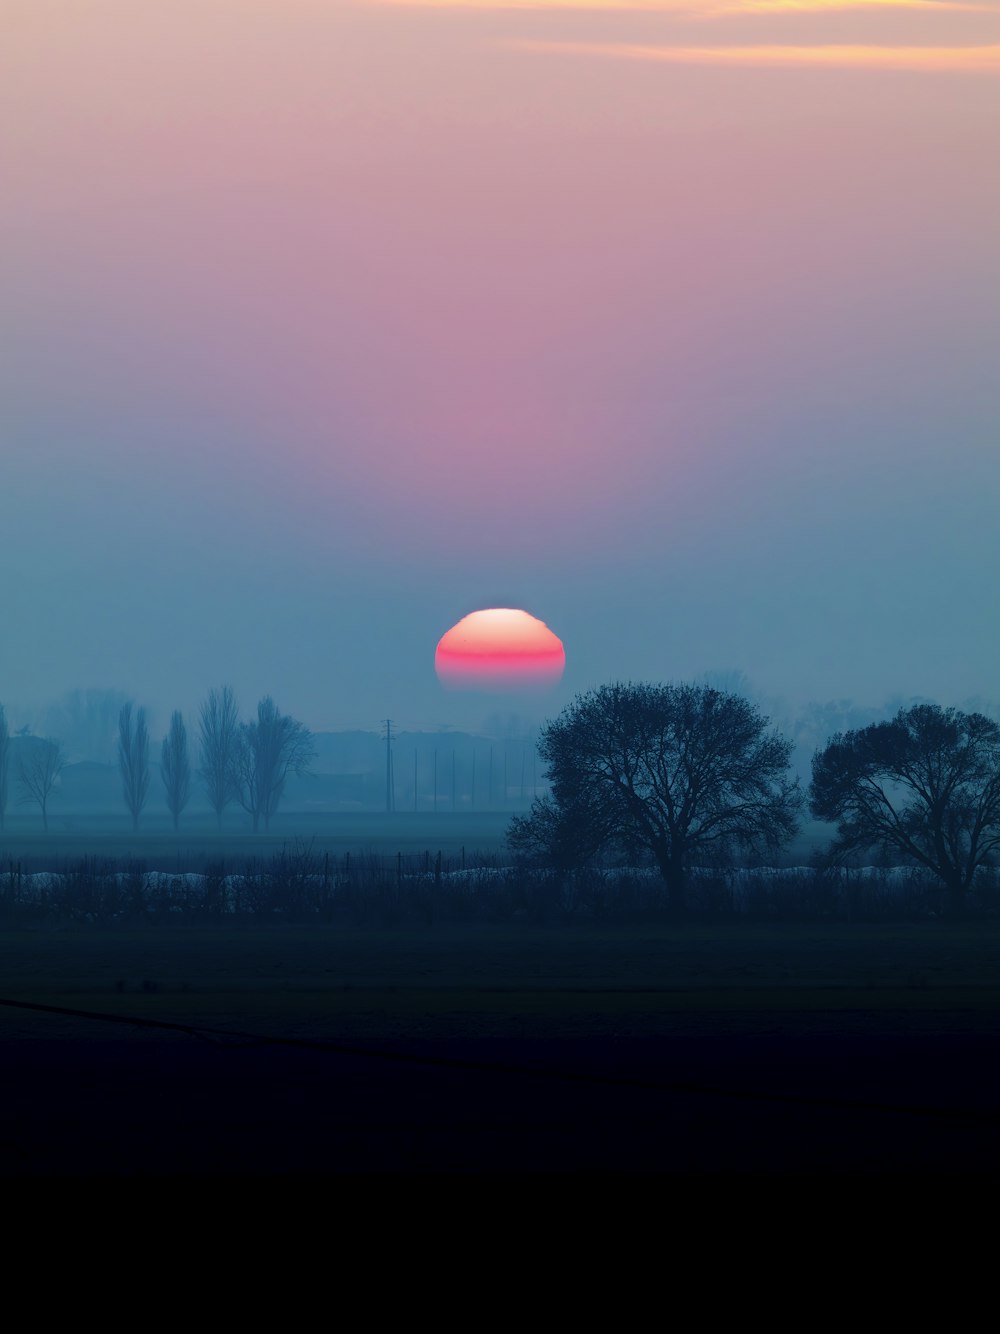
<point x="324" y="324"/>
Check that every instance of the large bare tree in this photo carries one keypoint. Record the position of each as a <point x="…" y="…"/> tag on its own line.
<point x="271" y="747"/>
<point x="40" y="761"/>
<point x="677" y="771"/>
<point x="133" y="759"/>
<point x="219" y="735"/>
<point x="175" y="768"/>
<point x="925" y="785"/>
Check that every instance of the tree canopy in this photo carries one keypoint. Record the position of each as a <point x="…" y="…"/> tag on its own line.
<point x="678" y="771"/>
<point x="271" y="747"/>
<point x="926" y="785"/>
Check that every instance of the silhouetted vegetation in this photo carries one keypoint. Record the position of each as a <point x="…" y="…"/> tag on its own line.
<point x="678" y="772"/>
<point x="175" y="768"/>
<point x="219" y="733"/>
<point x="40" y="761"/>
<point x="300" y="885"/>
<point x="925" y="786"/>
<point x="271" y="747"/>
<point x="133" y="759"/>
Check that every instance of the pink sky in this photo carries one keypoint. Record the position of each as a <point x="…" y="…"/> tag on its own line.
<point x="510" y="299"/>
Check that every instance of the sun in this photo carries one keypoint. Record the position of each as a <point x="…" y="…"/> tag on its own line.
<point x="499" y="649"/>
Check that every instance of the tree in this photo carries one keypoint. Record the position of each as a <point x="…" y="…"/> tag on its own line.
<point x="133" y="759"/>
<point x="925" y="785"/>
<point x="271" y="747"/>
<point x="39" y="764"/>
<point x="219" y="733"/>
<point x="4" y="764"/>
<point x="677" y="771"/>
<point x="175" y="768"/>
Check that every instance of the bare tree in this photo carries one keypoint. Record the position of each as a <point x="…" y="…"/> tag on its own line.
<point x="4" y="764"/>
<point x="40" y="761"/>
<point x="674" y="770"/>
<point x="271" y="747"/>
<point x="175" y="768"/>
<point x="925" y="785"/>
<point x="219" y="734"/>
<point x="133" y="759"/>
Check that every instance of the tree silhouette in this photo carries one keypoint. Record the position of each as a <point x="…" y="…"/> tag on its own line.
<point x="925" y="784"/>
<point x="271" y="747"/>
<point x="219" y="734"/>
<point x="40" y="762"/>
<point x="133" y="759"/>
<point x="175" y="768"/>
<point x="678" y="771"/>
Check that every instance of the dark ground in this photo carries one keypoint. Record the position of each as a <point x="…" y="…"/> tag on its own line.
<point x="696" y="1051"/>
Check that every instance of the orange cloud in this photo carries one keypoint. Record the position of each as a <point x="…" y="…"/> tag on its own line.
<point x="956" y="59"/>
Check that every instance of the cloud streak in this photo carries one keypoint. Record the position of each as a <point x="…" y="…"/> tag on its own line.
<point x="930" y="59"/>
<point x="695" y="8"/>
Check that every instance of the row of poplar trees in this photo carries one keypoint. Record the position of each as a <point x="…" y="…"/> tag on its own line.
<point x="238" y="762"/>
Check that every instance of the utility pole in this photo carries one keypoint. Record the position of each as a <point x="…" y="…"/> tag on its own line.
<point x="453" y="779"/>
<point x="472" y="798"/>
<point x="390" y="796"/>
<point x="435" y="780"/>
<point x="489" y="801"/>
<point x="414" y="779"/>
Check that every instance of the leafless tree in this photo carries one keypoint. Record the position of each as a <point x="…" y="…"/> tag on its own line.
<point x="925" y="785"/>
<point x="271" y="747"/>
<point x="673" y="770"/>
<point x="219" y="734"/>
<point x="4" y="764"/>
<point x="175" y="768"/>
<point x="40" y="762"/>
<point x="133" y="759"/>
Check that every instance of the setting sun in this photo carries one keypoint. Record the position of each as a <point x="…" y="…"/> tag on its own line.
<point x="499" y="649"/>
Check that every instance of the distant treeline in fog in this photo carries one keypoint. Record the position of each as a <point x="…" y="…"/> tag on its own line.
<point x="64" y="760"/>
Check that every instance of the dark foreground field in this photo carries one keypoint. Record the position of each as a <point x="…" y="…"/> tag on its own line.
<point x="696" y="1049"/>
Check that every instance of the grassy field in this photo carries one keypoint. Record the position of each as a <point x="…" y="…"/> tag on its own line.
<point x="201" y="843"/>
<point x="509" y="980"/>
<point x="480" y="833"/>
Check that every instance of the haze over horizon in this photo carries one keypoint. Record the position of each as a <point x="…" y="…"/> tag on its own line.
<point x="325" y="324"/>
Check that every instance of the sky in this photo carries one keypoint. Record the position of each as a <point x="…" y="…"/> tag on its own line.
<point x="325" y="324"/>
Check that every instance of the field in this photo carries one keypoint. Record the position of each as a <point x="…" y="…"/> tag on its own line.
<point x="694" y="1048"/>
<point x="199" y="842"/>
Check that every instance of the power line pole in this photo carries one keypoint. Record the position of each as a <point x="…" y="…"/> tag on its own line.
<point x="414" y="779"/>
<point x="390" y="796"/>
<point x="453" y="778"/>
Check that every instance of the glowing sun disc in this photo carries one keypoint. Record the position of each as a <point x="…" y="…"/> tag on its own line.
<point x="499" y="649"/>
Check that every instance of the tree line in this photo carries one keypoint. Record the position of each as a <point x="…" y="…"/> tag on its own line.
<point x="247" y="763"/>
<point x="684" y="774"/>
<point x="681" y="774"/>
